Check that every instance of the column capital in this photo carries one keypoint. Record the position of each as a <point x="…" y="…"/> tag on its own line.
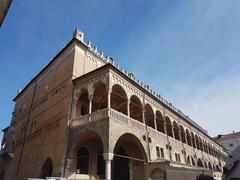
<point x="90" y="97"/>
<point x="108" y="156"/>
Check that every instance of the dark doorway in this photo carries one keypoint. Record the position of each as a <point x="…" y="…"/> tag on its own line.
<point x="120" y="165"/>
<point x="82" y="160"/>
<point x="47" y="168"/>
<point x="2" y="175"/>
<point x="204" y="177"/>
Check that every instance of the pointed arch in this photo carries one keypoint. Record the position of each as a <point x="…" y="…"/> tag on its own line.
<point x="47" y="168"/>
<point x="200" y="163"/>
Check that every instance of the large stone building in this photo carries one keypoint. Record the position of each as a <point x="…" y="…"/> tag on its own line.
<point x="84" y="117"/>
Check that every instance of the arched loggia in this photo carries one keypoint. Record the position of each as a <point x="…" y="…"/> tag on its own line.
<point x="119" y="100"/>
<point x="193" y="140"/>
<point x="99" y="97"/>
<point x="176" y="131"/>
<point x="169" y="127"/>
<point x="183" y="135"/>
<point x="128" y="152"/>
<point x="82" y="103"/>
<point x="189" y="138"/>
<point x="136" y="108"/>
<point x="149" y="116"/>
<point x="200" y="163"/>
<point x="160" y="122"/>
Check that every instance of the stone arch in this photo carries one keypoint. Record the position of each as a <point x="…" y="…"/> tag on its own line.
<point x="193" y="140"/>
<point x="193" y="161"/>
<point x="128" y="151"/>
<point x="157" y="174"/>
<point x="189" y="138"/>
<point x="210" y="165"/>
<point x="183" y="135"/>
<point x="149" y="116"/>
<point x="119" y="99"/>
<point x="197" y="142"/>
<point x="47" y="168"/>
<point x="188" y="160"/>
<point x="200" y="163"/>
<point x="205" y="164"/>
<point x="176" y="131"/>
<point x="82" y="160"/>
<point x="160" y="122"/>
<point x="87" y="151"/>
<point x="169" y="127"/>
<point x="200" y="144"/>
<point x="82" y="106"/>
<point x="136" y="108"/>
<point x="218" y="168"/>
<point x="99" y="96"/>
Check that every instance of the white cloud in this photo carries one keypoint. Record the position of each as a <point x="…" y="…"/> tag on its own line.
<point x="215" y="105"/>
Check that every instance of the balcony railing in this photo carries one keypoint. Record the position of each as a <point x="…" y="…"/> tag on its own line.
<point x="103" y="114"/>
<point x="111" y="113"/>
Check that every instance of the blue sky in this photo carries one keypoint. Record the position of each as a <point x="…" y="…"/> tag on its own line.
<point x="188" y="51"/>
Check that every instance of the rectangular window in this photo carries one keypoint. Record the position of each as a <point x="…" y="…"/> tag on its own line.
<point x="158" y="151"/>
<point x="178" y="157"/>
<point x="162" y="152"/>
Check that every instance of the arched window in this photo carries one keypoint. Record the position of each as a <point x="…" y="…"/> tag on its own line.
<point x="193" y="140"/>
<point x="160" y="122"/>
<point x="169" y="127"/>
<point x="149" y="116"/>
<point x="83" y="104"/>
<point x="119" y="99"/>
<point x="200" y="163"/>
<point x="47" y="168"/>
<point x="176" y="131"/>
<point x="189" y="139"/>
<point x="197" y="142"/>
<point x="210" y="166"/>
<point x="188" y="160"/>
<point x="182" y="134"/>
<point x="136" y="109"/>
<point x="193" y="161"/>
<point x="82" y="160"/>
<point x="99" y="97"/>
<point x="157" y="174"/>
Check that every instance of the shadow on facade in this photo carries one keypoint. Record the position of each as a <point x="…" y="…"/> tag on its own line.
<point x="204" y="177"/>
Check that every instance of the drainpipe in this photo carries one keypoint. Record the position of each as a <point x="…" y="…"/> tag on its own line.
<point x="25" y="134"/>
<point x="70" y="115"/>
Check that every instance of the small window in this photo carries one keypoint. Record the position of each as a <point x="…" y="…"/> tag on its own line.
<point x="158" y="152"/>
<point x="162" y="152"/>
<point x="178" y="157"/>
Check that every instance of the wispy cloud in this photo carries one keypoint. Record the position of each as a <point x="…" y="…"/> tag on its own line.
<point x="214" y="105"/>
